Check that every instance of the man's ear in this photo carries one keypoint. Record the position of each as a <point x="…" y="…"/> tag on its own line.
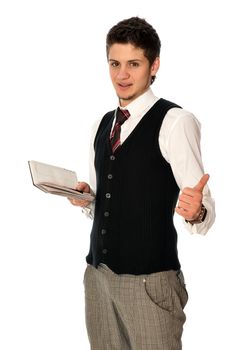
<point x="155" y="66"/>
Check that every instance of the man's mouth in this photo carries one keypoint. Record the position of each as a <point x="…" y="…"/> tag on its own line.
<point x="124" y="86"/>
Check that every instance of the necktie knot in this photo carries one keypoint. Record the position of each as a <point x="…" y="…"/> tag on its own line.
<point x="122" y="115"/>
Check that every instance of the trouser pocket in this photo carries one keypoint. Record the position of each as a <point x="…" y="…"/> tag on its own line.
<point x="159" y="291"/>
<point x="183" y="289"/>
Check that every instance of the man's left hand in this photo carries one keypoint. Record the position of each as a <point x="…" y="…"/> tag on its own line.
<point x="190" y="200"/>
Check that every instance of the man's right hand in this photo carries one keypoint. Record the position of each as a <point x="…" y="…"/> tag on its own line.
<point x="84" y="187"/>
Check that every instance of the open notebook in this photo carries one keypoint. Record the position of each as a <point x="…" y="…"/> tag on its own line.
<point x="56" y="180"/>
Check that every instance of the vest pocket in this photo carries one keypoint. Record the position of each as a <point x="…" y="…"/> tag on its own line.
<point x="158" y="291"/>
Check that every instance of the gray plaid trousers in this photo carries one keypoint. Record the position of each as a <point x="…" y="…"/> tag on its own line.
<point x="129" y="312"/>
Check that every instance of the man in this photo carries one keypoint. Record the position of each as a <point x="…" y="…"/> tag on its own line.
<point x="143" y="154"/>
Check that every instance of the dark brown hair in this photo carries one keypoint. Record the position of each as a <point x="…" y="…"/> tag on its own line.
<point x="137" y="32"/>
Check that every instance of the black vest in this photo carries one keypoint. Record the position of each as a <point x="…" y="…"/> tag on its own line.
<point x="133" y="230"/>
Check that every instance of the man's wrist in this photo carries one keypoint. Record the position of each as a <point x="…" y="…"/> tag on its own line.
<point x="201" y="217"/>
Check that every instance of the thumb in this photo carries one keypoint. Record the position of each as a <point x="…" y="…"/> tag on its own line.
<point x="83" y="186"/>
<point x="201" y="184"/>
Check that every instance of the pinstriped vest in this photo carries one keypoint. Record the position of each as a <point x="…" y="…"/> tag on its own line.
<point x="133" y="230"/>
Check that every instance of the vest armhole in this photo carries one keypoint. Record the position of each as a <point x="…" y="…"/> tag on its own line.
<point x="105" y="120"/>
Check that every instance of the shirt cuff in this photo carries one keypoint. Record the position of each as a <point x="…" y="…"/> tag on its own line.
<point x="203" y="228"/>
<point x="88" y="211"/>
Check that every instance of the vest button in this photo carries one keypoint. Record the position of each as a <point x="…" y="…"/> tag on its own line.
<point x="106" y="213"/>
<point x="112" y="157"/>
<point x="110" y="176"/>
<point x="103" y="231"/>
<point x="104" y="251"/>
<point x="108" y="195"/>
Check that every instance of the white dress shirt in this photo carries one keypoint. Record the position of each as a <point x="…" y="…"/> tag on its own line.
<point x="179" y="142"/>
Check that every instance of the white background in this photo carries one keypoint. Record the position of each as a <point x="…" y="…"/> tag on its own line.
<point x="53" y="85"/>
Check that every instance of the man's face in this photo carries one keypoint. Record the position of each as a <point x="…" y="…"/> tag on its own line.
<point x="130" y="71"/>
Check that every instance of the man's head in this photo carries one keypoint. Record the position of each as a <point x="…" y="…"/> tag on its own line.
<point x="139" y="33"/>
<point x="133" y="49"/>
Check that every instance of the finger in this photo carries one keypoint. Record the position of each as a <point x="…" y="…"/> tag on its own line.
<point x="71" y="200"/>
<point x="201" y="184"/>
<point x="78" y="202"/>
<point x="186" y="198"/>
<point x="186" y="214"/>
<point x="180" y="211"/>
<point x="190" y="195"/>
<point x="183" y="206"/>
<point x="192" y="209"/>
<point x="183" y="213"/>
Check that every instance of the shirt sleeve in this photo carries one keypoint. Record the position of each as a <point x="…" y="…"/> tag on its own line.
<point x="89" y="210"/>
<point x="180" y="137"/>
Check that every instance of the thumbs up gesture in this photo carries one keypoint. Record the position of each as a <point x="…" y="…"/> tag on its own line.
<point x="190" y="200"/>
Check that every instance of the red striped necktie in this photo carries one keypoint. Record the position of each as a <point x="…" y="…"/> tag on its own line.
<point x="121" y="116"/>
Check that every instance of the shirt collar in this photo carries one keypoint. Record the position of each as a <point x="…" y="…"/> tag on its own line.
<point x="141" y="104"/>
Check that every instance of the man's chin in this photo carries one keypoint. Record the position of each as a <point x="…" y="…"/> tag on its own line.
<point x="126" y="98"/>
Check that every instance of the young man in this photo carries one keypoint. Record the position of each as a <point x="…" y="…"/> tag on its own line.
<point x="143" y="154"/>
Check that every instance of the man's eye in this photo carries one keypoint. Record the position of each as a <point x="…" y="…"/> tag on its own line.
<point x="114" y="64"/>
<point x="134" y="64"/>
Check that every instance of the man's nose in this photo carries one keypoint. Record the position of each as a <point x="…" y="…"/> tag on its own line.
<point x="123" y="73"/>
